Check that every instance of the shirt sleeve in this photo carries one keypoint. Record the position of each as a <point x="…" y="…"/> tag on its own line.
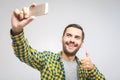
<point x="26" y="53"/>
<point x="95" y="74"/>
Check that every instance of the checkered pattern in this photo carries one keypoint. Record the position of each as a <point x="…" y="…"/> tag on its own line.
<point x="48" y="63"/>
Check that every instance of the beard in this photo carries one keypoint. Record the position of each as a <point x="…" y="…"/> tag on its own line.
<point x="70" y="53"/>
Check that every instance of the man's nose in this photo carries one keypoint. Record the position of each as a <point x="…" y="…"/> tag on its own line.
<point x="72" y="39"/>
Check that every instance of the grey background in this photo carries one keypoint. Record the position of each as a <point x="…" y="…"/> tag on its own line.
<point x="99" y="18"/>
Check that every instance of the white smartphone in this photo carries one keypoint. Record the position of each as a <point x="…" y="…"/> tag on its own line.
<point x="39" y="10"/>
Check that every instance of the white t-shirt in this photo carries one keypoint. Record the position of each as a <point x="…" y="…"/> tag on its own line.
<point x="70" y="68"/>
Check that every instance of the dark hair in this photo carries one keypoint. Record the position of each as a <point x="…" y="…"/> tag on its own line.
<point x="75" y="26"/>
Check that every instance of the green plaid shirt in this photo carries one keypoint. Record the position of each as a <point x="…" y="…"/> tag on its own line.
<point x="48" y="63"/>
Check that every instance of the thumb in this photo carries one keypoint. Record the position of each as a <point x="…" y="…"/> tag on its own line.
<point x="33" y="5"/>
<point x="27" y="21"/>
<point x="87" y="54"/>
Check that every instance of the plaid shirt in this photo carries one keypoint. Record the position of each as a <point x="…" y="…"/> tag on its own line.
<point x="48" y="63"/>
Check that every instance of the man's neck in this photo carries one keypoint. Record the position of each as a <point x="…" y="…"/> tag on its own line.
<point x="70" y="58"/>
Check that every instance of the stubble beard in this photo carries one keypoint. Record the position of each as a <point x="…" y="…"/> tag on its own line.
<point x="68" y="53"/>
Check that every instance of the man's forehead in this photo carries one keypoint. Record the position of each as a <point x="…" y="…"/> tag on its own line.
<point x="73" y="29"/>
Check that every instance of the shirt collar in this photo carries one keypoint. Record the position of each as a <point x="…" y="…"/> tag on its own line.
<point x="59" y="57"/>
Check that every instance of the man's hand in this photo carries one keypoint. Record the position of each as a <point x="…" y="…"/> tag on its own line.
<point x="86" y="62"/>
<point x="20" y="19"/>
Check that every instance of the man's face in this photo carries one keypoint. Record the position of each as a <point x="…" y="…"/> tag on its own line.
<point x="72" y="41"/>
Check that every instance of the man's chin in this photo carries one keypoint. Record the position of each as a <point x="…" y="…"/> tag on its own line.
<point x="71" y="53"/>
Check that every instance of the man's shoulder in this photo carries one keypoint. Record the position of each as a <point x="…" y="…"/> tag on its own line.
<point x="52" y="55"/>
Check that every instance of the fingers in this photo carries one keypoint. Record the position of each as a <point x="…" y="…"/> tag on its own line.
<point x="21" y="18"/>
<point x="16" y="12"/>
<point x="27" y="21"/>
<point x="86" y="62"/>
<point x="22" y="14"/>
<point x="25" y="12"/>
<point x="88" y="66"/>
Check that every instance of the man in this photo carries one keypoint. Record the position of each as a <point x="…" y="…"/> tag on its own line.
<point x="63" y="65"/>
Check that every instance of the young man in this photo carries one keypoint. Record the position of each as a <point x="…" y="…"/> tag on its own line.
<point x="63" y="65"/>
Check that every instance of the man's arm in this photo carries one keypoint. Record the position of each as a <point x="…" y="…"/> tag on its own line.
<point x="26" y="53"/>
<point x="22" y="49"/>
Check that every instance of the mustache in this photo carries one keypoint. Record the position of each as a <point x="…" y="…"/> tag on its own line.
<point x="70" y="42"/>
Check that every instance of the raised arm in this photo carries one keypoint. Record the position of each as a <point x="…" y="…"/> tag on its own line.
<point x="22" y="49"/>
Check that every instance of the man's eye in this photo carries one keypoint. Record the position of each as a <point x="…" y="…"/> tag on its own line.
<point x="68" y="35"/>
<point x="78" y="37"/>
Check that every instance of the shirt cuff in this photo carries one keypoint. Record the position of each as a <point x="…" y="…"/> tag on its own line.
<point x="94" y="71"/>
<point x="17" y="38"/>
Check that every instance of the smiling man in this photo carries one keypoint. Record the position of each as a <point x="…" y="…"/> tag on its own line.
<point x="63" y="65"/>
<point x="72" y="39"/>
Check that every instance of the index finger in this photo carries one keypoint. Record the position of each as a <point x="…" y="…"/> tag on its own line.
<point x="16" y="12"/>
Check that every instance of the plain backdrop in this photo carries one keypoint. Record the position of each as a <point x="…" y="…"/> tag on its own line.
<point x="99" y="18"/>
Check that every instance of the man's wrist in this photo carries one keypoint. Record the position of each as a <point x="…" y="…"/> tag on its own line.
<point x="14" y="32"/>
<point x="91" y="67"/>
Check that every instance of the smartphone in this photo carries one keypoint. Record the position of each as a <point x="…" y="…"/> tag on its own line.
<point x="39" y="10"/>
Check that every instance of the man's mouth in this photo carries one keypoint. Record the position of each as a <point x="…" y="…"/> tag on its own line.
<point x="70" y="45"/>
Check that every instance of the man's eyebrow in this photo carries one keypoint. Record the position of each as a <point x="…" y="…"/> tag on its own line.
<point x="68" y="33"/>
<point x="77" y="36"/>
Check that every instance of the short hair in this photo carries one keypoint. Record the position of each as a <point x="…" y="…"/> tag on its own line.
<point x="75" y="26"/>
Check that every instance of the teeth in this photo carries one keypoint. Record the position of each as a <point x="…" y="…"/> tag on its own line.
<point x="71" y="45"/>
